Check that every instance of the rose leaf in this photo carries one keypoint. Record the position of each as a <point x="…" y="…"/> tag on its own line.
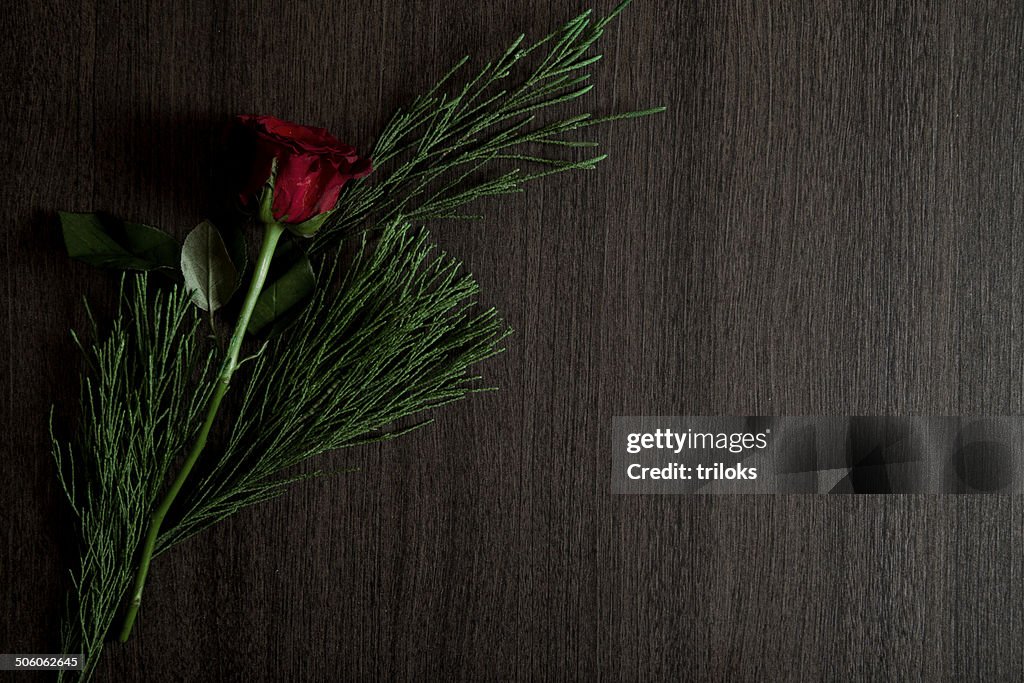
<point x="234" y="240"/>
<point x="105" y="241"/>
<point x="289" y="288"/>
<point x="209" y="273"/>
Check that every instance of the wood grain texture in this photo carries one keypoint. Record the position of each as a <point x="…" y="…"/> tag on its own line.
<point x="826" y="221"/>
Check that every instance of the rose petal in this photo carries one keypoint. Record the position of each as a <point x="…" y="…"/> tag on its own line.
<point x="313" y="166"/>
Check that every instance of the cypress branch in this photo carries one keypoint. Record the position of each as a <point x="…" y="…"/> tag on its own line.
<point x="396" y="338"/>
<point x="143" y="387"/>
<point x="446" y="150"/>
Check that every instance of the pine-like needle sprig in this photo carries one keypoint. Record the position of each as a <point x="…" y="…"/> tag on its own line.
<point x="397" y="337"/>
<point x="139" y="404"/>
<point x="443" y="151"/>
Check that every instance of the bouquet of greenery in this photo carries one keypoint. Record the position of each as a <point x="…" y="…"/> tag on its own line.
<point x="344" y="324"/>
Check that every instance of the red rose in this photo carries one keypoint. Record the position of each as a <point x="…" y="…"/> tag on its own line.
<point x="312" y="167"/>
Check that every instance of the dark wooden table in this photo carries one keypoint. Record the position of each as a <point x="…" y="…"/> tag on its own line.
<point x="828" y="220"/>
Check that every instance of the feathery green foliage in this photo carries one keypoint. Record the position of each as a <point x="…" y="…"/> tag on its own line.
<point x="144" y="385"/>
<point x="444" y="150"/>
<point x="396" y="338"/>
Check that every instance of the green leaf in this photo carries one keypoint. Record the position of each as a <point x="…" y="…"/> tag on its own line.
<point x="289" y="288"/>
<point x="210" y="275"/>
<point x="105" y="241"/>
<point x="234" y="240"/>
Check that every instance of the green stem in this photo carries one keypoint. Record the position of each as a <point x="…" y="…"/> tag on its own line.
<point x="271" y="234"/>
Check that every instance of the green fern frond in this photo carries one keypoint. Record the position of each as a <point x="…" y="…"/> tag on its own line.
<point x="397" y="338"/>
<point x="445" y="149"/>
<point x="139" y="405"/>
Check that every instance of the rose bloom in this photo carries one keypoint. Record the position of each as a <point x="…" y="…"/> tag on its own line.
<point x="312" y="167"/>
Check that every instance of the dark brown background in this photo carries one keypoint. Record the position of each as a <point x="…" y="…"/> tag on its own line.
<point x="827" y="221"/>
